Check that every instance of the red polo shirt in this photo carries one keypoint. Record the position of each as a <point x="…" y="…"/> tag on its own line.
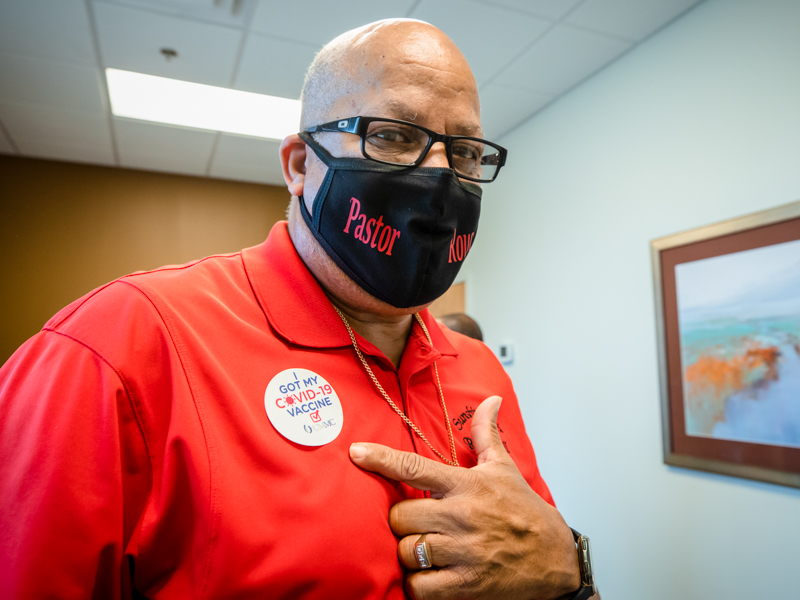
<point x="134" y="438"/>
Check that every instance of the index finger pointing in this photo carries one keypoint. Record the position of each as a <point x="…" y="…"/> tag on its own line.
<point x="407" y="467"/>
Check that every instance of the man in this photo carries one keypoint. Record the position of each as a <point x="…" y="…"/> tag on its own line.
<point x="275" y="423"/>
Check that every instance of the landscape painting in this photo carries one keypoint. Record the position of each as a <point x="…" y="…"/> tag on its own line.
<point x="739" y="329"/>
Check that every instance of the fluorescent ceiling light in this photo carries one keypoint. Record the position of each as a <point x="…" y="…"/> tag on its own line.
<point x="163" y="100"/>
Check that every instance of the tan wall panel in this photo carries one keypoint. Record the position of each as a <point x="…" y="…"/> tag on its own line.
<point x="67" y="228"/>
<point x="452" y="301"/>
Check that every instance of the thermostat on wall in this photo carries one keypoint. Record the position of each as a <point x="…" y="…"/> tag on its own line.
<point x="505" y="353"/>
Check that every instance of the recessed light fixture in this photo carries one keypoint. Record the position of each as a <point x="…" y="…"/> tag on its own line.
<point x="174" y="102"/>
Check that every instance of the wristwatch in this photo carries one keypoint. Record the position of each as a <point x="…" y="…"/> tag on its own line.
<point x="588" y="587"/>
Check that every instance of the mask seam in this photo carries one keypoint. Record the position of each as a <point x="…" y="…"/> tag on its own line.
<point x="321" y="196"/>
<point x="425" y="276"/>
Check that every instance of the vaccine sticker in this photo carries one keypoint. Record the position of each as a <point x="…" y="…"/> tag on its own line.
<point x="303" y="407"/>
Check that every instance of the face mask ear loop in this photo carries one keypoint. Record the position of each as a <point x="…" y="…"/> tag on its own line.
<point x="322" y="192"/>
<point x="318" y="148"/>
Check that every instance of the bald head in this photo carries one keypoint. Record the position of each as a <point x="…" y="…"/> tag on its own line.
<point x="360" y="60"/>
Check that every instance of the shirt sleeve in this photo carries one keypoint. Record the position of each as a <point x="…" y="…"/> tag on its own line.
<point x="75" y="473"/>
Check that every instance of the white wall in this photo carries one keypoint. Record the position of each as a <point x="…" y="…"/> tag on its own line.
<point x="699" y="124"/>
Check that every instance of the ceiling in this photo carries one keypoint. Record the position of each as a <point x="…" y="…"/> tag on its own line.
<point x="54" y="104"/>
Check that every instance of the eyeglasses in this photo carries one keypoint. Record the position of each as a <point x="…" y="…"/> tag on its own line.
<point x="394" y="142"/>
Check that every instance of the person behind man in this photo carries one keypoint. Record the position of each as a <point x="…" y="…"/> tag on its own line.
<point x="289" y="421"/>
<point x="463" y="324"/>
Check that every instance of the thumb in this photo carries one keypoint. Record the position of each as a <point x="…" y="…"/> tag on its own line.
<point x="485" y="437"/>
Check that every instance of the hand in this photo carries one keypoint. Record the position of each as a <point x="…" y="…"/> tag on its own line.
<point x="489" y="534"/>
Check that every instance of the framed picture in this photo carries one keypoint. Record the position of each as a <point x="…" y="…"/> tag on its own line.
<point x="728" y="314"/>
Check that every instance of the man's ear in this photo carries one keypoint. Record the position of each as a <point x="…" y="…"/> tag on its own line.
<point x="293" y="163"/>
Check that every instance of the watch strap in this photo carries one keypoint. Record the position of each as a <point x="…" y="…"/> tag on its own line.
<point x="584" y="593"/>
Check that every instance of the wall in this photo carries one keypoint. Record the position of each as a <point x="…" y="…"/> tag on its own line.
<point x="699" y="124"/>
<point x="67" y="228"/>
<point x="452" y="301"/>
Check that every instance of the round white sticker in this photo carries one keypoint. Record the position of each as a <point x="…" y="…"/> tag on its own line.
<point x="303" y="407"/>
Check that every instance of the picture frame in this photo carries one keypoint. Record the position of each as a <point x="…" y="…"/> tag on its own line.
<point x="727" y="301"/>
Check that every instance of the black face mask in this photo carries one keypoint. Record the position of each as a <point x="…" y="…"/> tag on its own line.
<point x="401" y="233"/>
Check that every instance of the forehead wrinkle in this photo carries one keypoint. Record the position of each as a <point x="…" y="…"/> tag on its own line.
<point x="397" y="109"/>
<point x="418" y="64"/>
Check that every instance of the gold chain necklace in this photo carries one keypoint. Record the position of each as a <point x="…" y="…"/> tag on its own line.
<point x="454" y="461"/>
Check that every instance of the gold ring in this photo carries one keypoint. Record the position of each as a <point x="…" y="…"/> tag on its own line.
<point x="421" y="552"/>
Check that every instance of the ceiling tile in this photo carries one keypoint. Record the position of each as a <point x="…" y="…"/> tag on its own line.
<point x="26" y="79"/>
<point x="247" y="159"/>
<point x="553" y="9"/>
<point x="23" y="121"/>
<point x="162" y="147"/>
<point x="47" y="28"/>
<point x="98" y="155"/>
<point x="488" y="36"/>
<point x="632" y="19"/>
<point x="132" y="39"/>
<point x="274" y="67"/>
<point x="234" y="13"/>
<point x="561" y="59"/>
<point x="503" y="108"/>
<point x="318" y="22"/>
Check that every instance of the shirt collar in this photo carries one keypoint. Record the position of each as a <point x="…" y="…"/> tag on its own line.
<point x="297" y="308"/>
